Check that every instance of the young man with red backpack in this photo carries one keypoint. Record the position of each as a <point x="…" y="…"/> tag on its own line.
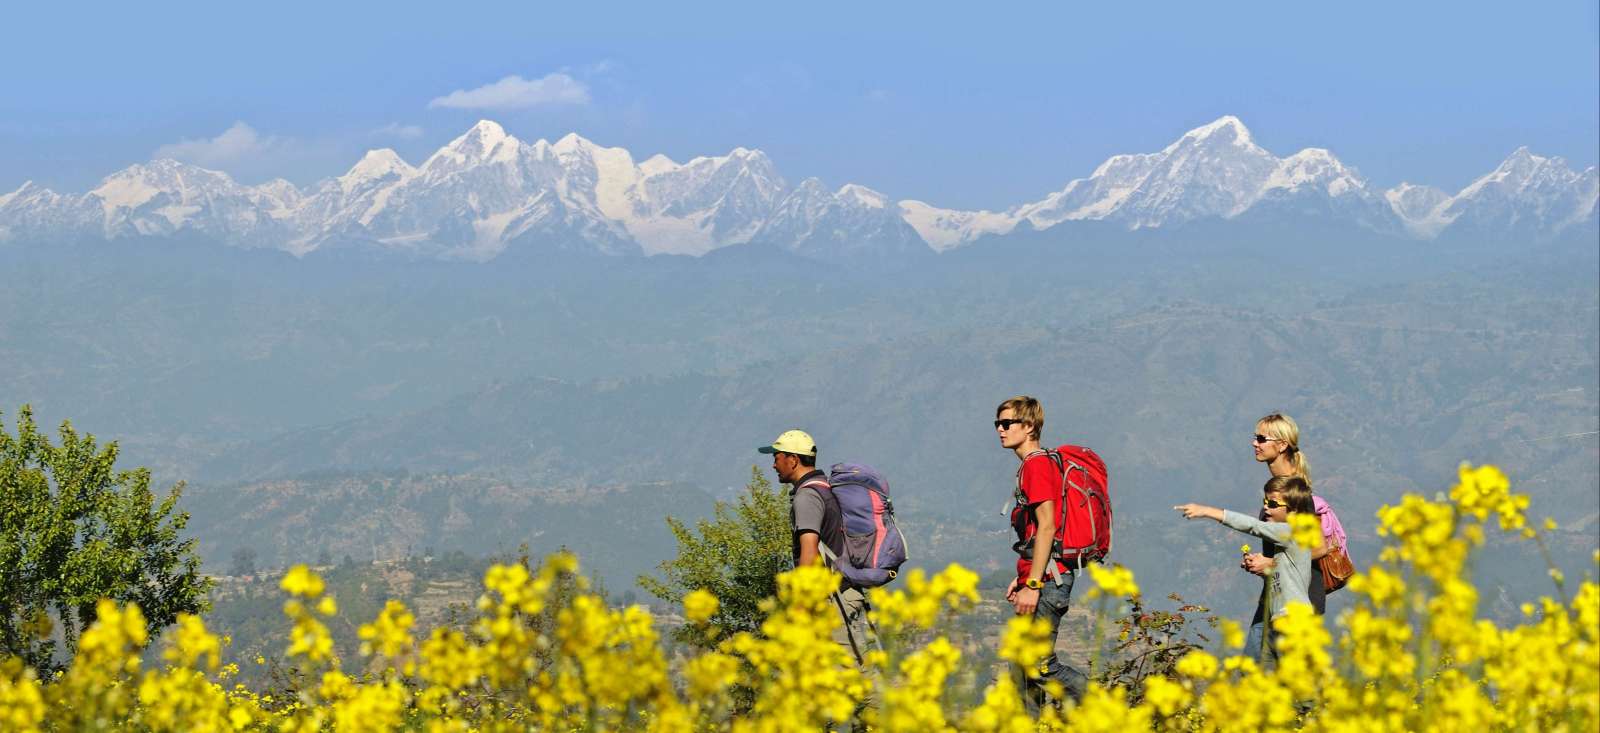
<point x="1062" y="520"/>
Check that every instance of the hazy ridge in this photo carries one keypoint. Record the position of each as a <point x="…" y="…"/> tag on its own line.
<point x="383" y="408"/>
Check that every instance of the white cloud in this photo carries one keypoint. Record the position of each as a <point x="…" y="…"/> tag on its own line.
<point x="515" y="92"/>
<point x="237" y="144"/>
<point x="397" y="130"/>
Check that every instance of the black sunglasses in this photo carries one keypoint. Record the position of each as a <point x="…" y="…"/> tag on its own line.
<point x="1260" y="439"/>
<point x="1006" y="423"/>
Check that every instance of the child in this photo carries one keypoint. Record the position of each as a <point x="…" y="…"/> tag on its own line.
<point x="1288" y="581"/>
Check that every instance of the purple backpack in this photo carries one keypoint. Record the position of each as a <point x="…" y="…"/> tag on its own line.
<point x="874" y="547"/>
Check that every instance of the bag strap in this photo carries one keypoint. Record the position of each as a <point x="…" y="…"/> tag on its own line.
<point x="828" y="555"/>
<point x="814" y="484"/>
<point x="1053" y="570"/>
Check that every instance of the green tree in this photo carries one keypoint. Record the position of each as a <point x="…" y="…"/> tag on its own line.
<point x="73" y="530"/>
<point x="736" y="554"/>
<point x="243" y="562"/>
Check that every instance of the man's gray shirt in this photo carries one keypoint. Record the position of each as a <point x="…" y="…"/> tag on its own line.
<point x="807" y="510"/>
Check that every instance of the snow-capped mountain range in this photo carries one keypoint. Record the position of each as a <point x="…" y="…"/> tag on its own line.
<point x="487" y="193"/>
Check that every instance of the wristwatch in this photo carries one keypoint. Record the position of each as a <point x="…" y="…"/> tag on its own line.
<point x="1034" y="583"/>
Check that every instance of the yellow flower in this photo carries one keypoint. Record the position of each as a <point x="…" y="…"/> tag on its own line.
<point x="924" y="600"/>
<point x="1306" y="530"/>
<point x="1166" y="696"/>
<point x="710" y="673"/>
<point x="700" y="606"/>
<point x="190" y="642"/>
<point x="545" y="654"/>
<point x="1197" y="665"/>
<point x="301" y="581"/>
<point x="1116" y="581"/>
<point x="390" y="633"/>
<point x="1108" y="710"/>
<point x="1026" y="641"/>
<point x="1232" y="633"/>
<point x="1485" y="489"/>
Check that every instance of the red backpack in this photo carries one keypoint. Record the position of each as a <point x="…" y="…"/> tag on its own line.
<point x="1083" y="527"/>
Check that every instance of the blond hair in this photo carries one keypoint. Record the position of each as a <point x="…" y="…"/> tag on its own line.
<point x="1279" y="426"/>
<point x="1027" y="410"/>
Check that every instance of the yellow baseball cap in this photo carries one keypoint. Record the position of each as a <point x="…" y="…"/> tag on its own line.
<point x="798" y="442"/>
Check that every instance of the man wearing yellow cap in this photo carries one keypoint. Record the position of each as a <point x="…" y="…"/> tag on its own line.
<point x="794" y="459"/>
<point x="817" y="520"/>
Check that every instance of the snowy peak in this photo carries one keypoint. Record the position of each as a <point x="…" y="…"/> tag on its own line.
<point x="852" y="223"/>
<point x="1211" y="171"/>
<point x="170" y="181"/>
<point x="27" y="189"/>
<point x="1314" y="167"/>
<point x="28" y="196"/>
<point x="376" y="165"/>
<point x="485" y="142"/>
<point x="1217" y="171"/>
<point x="487" y="133"/>
<point x="571" y="142"/>
<point x="1522" y="170"/>
<point x="945" y="229"/>
<point x="165" y="172"/>
<point x="167" y="197"/>
<point x="1418" y="207"/>
<point x="1224" y="131"/>
<point x="1522" y="164"/>
<point x="703" y="204"/>
<point x="853" y="194"/>
<point x="1526" y="195"/>
<point x="657" y="164"/>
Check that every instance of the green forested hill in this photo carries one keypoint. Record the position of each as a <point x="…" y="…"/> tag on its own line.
<point x="374" y="411"/>
<point x="617" y="530"/>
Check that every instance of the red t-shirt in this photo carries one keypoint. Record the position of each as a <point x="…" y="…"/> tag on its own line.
<point x="1040" y="482"/>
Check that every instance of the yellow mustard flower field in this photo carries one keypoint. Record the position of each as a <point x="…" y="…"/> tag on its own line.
<point x="1412" y="654"/>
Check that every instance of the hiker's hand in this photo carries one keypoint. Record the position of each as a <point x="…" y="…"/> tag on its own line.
<point x="1190" y="511"/>
<point x="1025" y="600"/>
<point x="1011" y="591"/>
<point x="1257" y="563"/>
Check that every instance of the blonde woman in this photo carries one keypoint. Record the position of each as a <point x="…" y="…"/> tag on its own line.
<point x="1277" y="443"/>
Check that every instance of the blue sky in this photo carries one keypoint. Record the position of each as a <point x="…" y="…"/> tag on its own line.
<point x="961" y="105"/>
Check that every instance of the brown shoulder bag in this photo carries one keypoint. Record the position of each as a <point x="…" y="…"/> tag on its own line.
<point x="1336" y="569"/>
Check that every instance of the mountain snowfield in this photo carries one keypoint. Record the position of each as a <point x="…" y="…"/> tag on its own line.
<point x="487" y="194"/>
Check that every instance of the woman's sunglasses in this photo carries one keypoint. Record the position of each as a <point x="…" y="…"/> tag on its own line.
<point x="1262" y="439"/>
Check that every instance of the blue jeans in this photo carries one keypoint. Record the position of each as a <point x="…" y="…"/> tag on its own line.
<point x="1053" y="602"/>
<point x="1253" y="648"/>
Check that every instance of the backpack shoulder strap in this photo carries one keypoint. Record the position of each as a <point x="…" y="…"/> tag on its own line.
<point x="816" y="483"/>
<point x="1054" y="456"/>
